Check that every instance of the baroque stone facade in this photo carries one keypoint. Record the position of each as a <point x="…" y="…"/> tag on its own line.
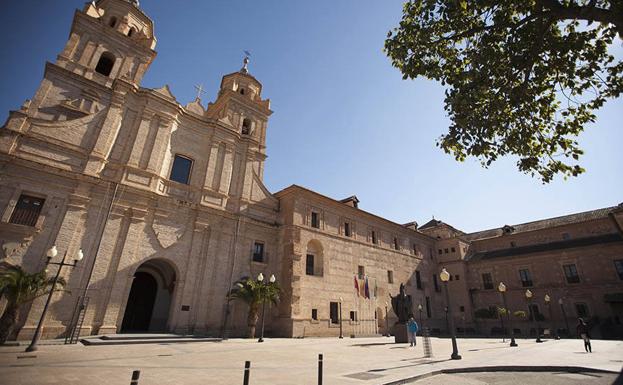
<point x="168" y="204"/>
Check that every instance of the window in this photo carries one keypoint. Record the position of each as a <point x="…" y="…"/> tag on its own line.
<point x="131" y="31"/>
<point x="526" y="279"/>
<point x="618" y="265"/>
<point x="242" y="91"/>
<point x="105" y="64"/>
<point x="456" y="277"/>
<point x="315" y="220"/>
<point x="361" y="272"/>
<point x="112" y="22"/>
<point x="347" y="229"/>
<point x="440" y="251"/>
<point x="315" y="314"/>
<point x="258" y="252"/>
<point x="445" y="251"/>
<point x="27" y="210"/>
<point x="582" y="310"/>
<point x="180" y="172"/>
<point x="373" y="236"/>
<point x="428" y="313"/>
<point x="487" y="281"/>
<point x="333" y="313"/>
<point x="513" y="244"/>
<point x="246" y="126"/>
<point x="571" y="273"/>
<point x="353" y="315"/>
<point x="418" y="280"/>
<point x="462" y="309"/>
<point x="396" y="243"/>
<point x="309" y="264"/>
<point x="390" y="276"/>
<point x="435" y="283"/>
<point x="453" y="249"/>
<point x="414" y="249"/>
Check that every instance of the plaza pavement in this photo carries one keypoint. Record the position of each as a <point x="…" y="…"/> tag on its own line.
<point x="287" y="361"/>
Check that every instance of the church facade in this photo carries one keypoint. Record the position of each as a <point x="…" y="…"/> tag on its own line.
<point x="168" y="204"/>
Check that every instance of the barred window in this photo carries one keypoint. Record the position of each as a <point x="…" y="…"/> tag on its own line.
<point x="27" y="210"/>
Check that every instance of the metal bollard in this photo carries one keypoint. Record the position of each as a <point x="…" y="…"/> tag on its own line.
<point x="135" y="375"/>
<point x="319" y="369"/>
<point x="247" y="371"/>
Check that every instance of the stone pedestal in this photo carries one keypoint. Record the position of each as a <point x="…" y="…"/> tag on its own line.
<point x="400" y="333"/>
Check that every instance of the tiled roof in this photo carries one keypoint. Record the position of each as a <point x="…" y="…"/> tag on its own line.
<point x="552" y="246"/>
<point x="543" y="223"/>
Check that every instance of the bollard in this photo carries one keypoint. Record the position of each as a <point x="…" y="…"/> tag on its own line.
<point x="247" y="371"/>
<point x="319" y="369"/>
<point x="135" y="375"/>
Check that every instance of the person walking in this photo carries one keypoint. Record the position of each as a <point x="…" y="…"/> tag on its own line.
<point x="412" y="330"/>
<point x="582" y="330"/>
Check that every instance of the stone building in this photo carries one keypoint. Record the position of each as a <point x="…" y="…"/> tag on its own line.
<point x="168" y="205"/>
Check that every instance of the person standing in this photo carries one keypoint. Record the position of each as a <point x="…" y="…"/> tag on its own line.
<point x="582" y="330"/>
<point x="412" y="330"/>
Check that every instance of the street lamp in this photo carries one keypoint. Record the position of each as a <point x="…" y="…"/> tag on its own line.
<point x="386" y="321"/>
<point x="534" y="314"/>
<point x="564" y="314"/>
<point x="52" y="252"/>
<point x="341" y="299"/>
<point x="502" y="289"/>
<point x="260" y="278"/>
<point x="445" y="277"/>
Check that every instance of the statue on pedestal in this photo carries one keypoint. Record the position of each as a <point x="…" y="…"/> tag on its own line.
<point x="402" y="306"/>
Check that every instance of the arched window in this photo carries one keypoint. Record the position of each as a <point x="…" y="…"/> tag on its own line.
<point x="105" y="64"/>
<point x="242" y="91"/>
<point x="246" y="126"/>
<point x="131" y="31"/>
<point x="314" y="260"/>
<point x="112" y="22"/>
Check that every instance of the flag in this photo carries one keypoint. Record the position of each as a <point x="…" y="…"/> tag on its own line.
<point x="356" y="286"/>
<point x="376" y="288"/>
<point x="367" y="289"/>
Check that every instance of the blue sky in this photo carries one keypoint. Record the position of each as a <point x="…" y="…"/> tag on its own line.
<point x="345" y="122"/>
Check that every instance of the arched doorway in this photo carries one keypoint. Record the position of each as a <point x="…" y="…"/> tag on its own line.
<point x="149" y="300"/>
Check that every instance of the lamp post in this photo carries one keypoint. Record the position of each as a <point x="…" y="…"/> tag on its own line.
<point x="419" y="308"/>
<point x="445" y="310"/>
<point x="564" y="315"/>
<point x="341" y="335"/>
<point x="551" y="319"/>
<point x="445" y="277"/>
<point x="502" y="289"/>
<point x="52" y="252"/>
<point x="260" y="278"/>
<point x="386" y="321"/>
<point x="534" y="314"/>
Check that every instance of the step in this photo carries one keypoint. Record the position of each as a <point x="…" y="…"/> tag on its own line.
<point x="147" y="336"/>
<point x="139" y="341"/>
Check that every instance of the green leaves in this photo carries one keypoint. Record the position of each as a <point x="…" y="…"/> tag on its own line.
<point x="523" y="78"/>
<point x="20" y="287"/>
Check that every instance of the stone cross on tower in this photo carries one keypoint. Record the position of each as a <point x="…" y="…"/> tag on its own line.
<point x="199" y="88"/>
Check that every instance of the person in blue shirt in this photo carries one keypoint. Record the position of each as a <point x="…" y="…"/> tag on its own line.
<point x="412" y="330"/>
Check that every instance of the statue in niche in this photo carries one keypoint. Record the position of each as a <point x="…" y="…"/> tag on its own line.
<point x="402" y="305"/>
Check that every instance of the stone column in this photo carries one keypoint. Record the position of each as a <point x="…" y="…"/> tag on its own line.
<point x="228" y="164"/>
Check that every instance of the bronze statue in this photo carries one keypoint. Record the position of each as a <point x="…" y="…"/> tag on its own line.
<point x="402" y="305"/>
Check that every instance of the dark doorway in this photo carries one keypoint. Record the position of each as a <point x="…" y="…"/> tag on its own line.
<point x="140" y="305"/>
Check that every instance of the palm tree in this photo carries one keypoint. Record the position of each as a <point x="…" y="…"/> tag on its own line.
<point x="20" y="287"/>
<point x="255" y="293"/>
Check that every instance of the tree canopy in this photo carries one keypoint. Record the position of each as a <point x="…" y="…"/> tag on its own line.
<point x="523" y="77"/>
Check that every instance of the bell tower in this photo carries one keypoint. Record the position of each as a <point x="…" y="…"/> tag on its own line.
<point x="240" y="106"/>
<point x="109" y="41"/>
